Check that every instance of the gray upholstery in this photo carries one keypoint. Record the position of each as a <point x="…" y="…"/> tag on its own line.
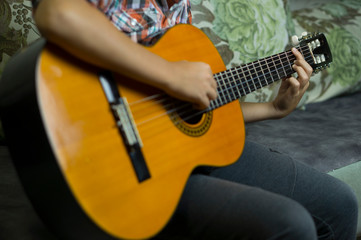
<point x="326" y="135"/>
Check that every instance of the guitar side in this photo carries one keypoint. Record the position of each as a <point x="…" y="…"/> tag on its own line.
<point x="91" y="154"/>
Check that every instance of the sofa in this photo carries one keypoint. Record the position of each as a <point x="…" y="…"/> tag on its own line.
<point x="324" y="131"/>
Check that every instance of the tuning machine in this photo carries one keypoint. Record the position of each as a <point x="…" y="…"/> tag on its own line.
<point x="296" y="39"/>
<point x="304" y="36"/>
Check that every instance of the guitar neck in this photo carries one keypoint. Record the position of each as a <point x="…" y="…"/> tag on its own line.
<point x="242" y="80"/>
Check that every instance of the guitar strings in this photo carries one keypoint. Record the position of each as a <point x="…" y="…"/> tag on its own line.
<point x="198" y="113"/>
<point x="185" y="105"/>
<point x="259" y="77"/>
<point x="187" y="114"/>
<point x="189" y="104"/>
<point x="201" y="112"/>
<point x="262" y="79"/>
<point x="173" y="118"/>
<point x="225" y="72"/>
<point x="233" y="69"/>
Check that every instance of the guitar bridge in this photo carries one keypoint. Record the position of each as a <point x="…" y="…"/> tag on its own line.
<point x="125" y="122"/>
<point x="126" y="125"/>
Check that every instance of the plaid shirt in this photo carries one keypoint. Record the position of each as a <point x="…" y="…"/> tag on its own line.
<point x="144" y="21"/>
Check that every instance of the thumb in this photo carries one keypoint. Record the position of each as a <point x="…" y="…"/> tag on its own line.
<point x="294" y="86"/>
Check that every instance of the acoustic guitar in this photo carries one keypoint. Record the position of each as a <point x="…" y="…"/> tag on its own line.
<point x="104" y="157"/>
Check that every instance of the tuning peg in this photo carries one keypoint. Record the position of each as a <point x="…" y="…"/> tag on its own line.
<point x="318" y="43"/>
<point x="295" y="40"/>
<point x="313" y="45"/>
<point x="304" y="35"/>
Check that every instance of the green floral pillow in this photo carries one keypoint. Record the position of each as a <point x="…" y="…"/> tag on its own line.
<point x="244" y="31"/>
<point x="341" y="23"/>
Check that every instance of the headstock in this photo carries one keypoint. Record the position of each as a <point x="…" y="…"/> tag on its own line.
<point x="318" y="47"/>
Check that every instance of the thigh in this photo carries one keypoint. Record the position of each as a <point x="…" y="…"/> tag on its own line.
<point x="331" y="203"/>
<point x="213" y="208"/>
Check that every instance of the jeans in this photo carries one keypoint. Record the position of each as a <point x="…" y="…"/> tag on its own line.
<point x="264" y="195"/>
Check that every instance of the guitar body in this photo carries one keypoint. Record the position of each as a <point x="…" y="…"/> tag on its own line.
<point x="73" y="160"/>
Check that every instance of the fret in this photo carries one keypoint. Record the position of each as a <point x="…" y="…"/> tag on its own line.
<point x="238" y="81"/>
<point x="276" y="68"/>
<point x="235" y="83"/>
<point x="252" y="84"/>
<point x="284" y="71"/>
<point x="301" y="51"/>
<point x="224" y="88"/>
<point x="229" y="83"/>
<point x="245" y="81"/>
<point x="220" y="89"/>
<point x="218" y="100"/>
<point x="271" y="68"/>
<point x="263" y="74"/>
<point x="269" y="71"/>
<point x="289" y="61"/>
<point x="308" y="56"/>
<point x="241" y="78"/>
<point x="258" y="70"/>
<point x="212" y="104"/>
<point x="253" y="76"/>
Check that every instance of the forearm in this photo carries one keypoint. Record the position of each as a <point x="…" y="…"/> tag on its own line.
<point x="253" y="112"/>
<point x="85" y="32"/>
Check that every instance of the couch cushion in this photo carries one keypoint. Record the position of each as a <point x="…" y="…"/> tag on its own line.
<point x="326" y="135"/>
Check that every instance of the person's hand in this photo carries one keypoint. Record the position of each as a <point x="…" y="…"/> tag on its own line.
<point x="192" y="82"/>
<point x="292" y="89"/>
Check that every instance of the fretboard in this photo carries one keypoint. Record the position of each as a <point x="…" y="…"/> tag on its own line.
<point x="242" y="80"/>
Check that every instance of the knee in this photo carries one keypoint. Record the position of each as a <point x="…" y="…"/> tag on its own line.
<point x="296" y="223"/>
<point x="345" y="200"/>
<point x="343" y="207"/>
<point x="285" y="218"/>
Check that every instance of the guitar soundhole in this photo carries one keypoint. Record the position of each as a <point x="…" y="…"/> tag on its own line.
<point x="189" y="120"/>
<point x="190" y="116"/>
